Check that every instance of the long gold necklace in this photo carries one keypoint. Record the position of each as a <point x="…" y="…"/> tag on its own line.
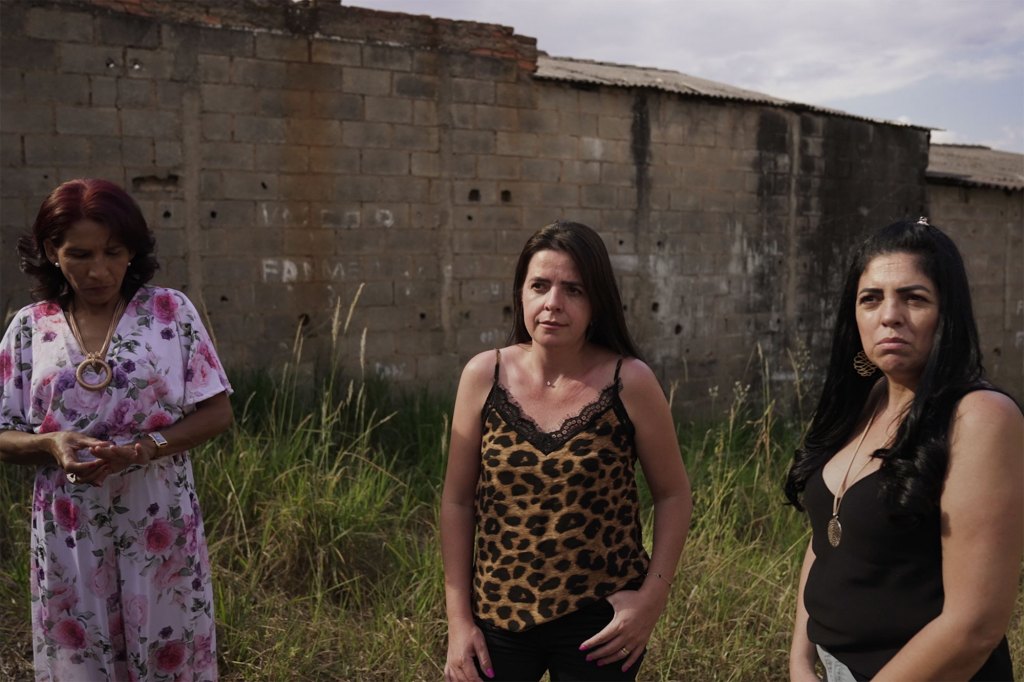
<point x="97" y="361"/>
<point x="835" y="529"/>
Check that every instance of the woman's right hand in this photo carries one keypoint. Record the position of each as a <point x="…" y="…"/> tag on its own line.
<point x="466" y="642"/>
<point x="64" y="446"/>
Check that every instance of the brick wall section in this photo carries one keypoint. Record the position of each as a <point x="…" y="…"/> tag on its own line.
<point x="290" y="156"/>
<point x="988" y="227"/>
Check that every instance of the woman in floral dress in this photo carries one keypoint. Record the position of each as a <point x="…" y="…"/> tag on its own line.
<point x="107" y="382"/>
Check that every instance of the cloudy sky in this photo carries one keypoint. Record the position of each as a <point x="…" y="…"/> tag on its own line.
<point x="951" y="64"/>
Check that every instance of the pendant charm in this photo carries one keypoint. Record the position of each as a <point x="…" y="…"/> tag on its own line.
<point x="835" y="531"/>
<point x="99" y="368"/>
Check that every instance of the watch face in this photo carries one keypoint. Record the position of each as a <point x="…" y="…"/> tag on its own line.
<point x="158" y="438"/>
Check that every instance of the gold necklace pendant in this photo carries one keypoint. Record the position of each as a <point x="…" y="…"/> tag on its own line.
<point x="96" y="361"/>
<point x="834" y="528"/>
<point x="835" y="531"/>
<point x="99" y="367"/>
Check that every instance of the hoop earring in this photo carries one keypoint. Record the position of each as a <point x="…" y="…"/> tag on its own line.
<point x="863" y="365"/>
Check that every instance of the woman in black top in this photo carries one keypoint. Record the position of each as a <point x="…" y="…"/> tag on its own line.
<point x="911" y="474"/>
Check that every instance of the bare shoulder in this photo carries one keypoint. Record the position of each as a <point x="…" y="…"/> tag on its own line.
<point x="639" y="384"/>
<point x="987" y="410"/>
<point x="635" y="372"/>
<point x="479" y="370"/>
<point x="987" y="427"/>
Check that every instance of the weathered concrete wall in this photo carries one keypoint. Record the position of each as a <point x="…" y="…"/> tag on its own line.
<point x="988" y="227"/>
<point x="287" y="155"/>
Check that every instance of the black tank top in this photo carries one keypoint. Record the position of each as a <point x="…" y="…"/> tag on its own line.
<point x="870" y="595"/>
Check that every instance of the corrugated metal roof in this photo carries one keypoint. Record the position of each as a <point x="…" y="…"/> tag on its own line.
<point x="621" y="75"/>
<point x="975" y="166"/>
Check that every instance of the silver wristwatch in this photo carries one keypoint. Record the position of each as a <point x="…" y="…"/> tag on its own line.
<point x="158" y="438"/>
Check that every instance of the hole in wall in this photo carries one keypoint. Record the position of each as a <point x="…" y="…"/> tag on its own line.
<point x="263" y="184"/>
<point x="167" y="214"/>
<point x="213" y="214"/>
<point x="506" y="196"/>
<point x="678" y="329"/>
<point x="223" y="298"/>
<point x="655" y="306"/>
<point x="469" y="218"/>
<point x="474" y="195"/>
<point x="423" y="316"/>
<point x="303" y="319"/>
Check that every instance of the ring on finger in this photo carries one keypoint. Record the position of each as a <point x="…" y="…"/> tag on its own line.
<point x="625" y="651"/>
<point x="71" y="476"/>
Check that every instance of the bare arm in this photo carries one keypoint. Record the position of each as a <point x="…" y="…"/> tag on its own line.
<point x="658" y="451"/>
<point x="465" y="641"/>
<point x="55" y="448"/>
<point x="982" y="539"/>
<point x="211" y="417"/>
<point x="802" y="653"/>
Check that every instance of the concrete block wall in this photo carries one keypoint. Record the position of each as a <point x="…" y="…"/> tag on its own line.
<point x="289" y="157"/>
<point x="987" y="225"/>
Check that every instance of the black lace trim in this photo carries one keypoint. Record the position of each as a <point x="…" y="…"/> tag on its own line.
<point x="548" y="441"/>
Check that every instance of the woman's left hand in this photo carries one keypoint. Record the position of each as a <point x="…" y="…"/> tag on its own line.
<point x="626" y="636"/>
<point x="120" y="457"/>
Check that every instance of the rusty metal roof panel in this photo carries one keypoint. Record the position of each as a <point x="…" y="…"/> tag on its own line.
<point x="975" y="166"/>
<point x="621" y="75"/>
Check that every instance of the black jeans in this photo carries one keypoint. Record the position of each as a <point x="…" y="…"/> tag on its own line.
<point x="555" y="647"/>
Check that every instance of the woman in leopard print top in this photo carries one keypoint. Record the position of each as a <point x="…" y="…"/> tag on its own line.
<point x="545" y="568"/>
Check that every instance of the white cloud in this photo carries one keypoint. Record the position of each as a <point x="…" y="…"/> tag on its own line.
<point x="827" y="52"/>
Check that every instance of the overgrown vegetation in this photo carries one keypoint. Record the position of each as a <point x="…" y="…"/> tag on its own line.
<point x="321" y="510"/>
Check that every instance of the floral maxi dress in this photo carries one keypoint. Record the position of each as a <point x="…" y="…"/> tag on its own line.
<point x="120" y="576"/>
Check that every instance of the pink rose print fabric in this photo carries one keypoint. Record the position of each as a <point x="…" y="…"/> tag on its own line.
<point x="120" y="574"/>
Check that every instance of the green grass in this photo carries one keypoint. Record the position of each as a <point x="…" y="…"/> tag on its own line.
<point x="321" y="509"/>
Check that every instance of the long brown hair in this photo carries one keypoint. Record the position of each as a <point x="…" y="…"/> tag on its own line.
<point x="587" y="250"/>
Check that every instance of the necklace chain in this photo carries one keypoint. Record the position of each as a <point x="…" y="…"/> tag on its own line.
<point x="835" y="529"/>
<point x="96" y="360"/>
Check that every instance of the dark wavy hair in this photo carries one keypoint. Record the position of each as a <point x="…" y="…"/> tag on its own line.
<point x="86" y="199"/>
<point x="914" y="467"/>
<point x="587" y="250"/>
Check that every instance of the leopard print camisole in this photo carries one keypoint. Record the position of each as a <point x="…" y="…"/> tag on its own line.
<point x="557" y="515"/>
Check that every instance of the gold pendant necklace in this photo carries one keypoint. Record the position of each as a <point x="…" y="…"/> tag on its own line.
<point x="834" y="528"/>
<point x="96" y="361"/>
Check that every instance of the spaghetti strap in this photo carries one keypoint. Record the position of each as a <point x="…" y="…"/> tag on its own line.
<point x="618" y="366"/>
<point x="497" y="363"/>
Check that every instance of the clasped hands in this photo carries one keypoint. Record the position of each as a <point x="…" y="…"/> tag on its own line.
<point x="110" y="458"/>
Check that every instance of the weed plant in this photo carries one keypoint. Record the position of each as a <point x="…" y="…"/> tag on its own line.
<point x="321" y="509"/>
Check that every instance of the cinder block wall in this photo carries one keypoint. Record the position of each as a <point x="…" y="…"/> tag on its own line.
<point x="288" y="156"/>
<point x="988" y="227"/>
